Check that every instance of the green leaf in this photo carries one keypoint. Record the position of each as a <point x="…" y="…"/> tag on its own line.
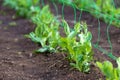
<point x="107" y="69"/>
<point x="77" y="27"/>
<point x="118" y="62"/>
<point x="89" y="36"/>
<point x="118" y="69"/>
<point x="66" y="27"/>
<point x="99" y="64"/>
<point x="72" y="35"/>
<point x="41" y="50"/>
<point x="33" y="37"/>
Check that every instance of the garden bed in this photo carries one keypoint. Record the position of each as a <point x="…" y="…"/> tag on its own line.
<point x="17" y="61"/>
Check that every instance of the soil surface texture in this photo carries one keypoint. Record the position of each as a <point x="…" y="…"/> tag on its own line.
<point x="18" y="62"/>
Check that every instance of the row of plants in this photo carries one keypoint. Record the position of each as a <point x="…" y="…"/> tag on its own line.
<point x="102" y="9"/>
<point x="24" y="8"/>
<point x="76" y="43"/>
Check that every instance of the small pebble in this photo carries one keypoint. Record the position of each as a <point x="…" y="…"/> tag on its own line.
<point x="19" y="53"/>
<point x="118" y="41"/>
<point x="12" y="23"/>
<point x="16" y="40"/>
<point x="8" y="48"/>
<point x="30" y="55"/>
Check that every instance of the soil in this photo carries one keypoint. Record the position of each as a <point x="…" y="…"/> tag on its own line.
<point x="18" y="62"/>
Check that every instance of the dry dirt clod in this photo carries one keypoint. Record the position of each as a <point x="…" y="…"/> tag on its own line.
<point x="16" y="40"/>
<point x="118" y="41"/>
<point x="19" y="53"/>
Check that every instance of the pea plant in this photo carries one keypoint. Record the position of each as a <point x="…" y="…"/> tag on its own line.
<point x="109" y="71"/>
<point x="24" y="8"/>
<point x="77" y="44"/>
<point x="46" y="32"/>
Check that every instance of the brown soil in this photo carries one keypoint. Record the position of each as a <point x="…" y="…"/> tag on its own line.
<point x="17" y="61"/>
